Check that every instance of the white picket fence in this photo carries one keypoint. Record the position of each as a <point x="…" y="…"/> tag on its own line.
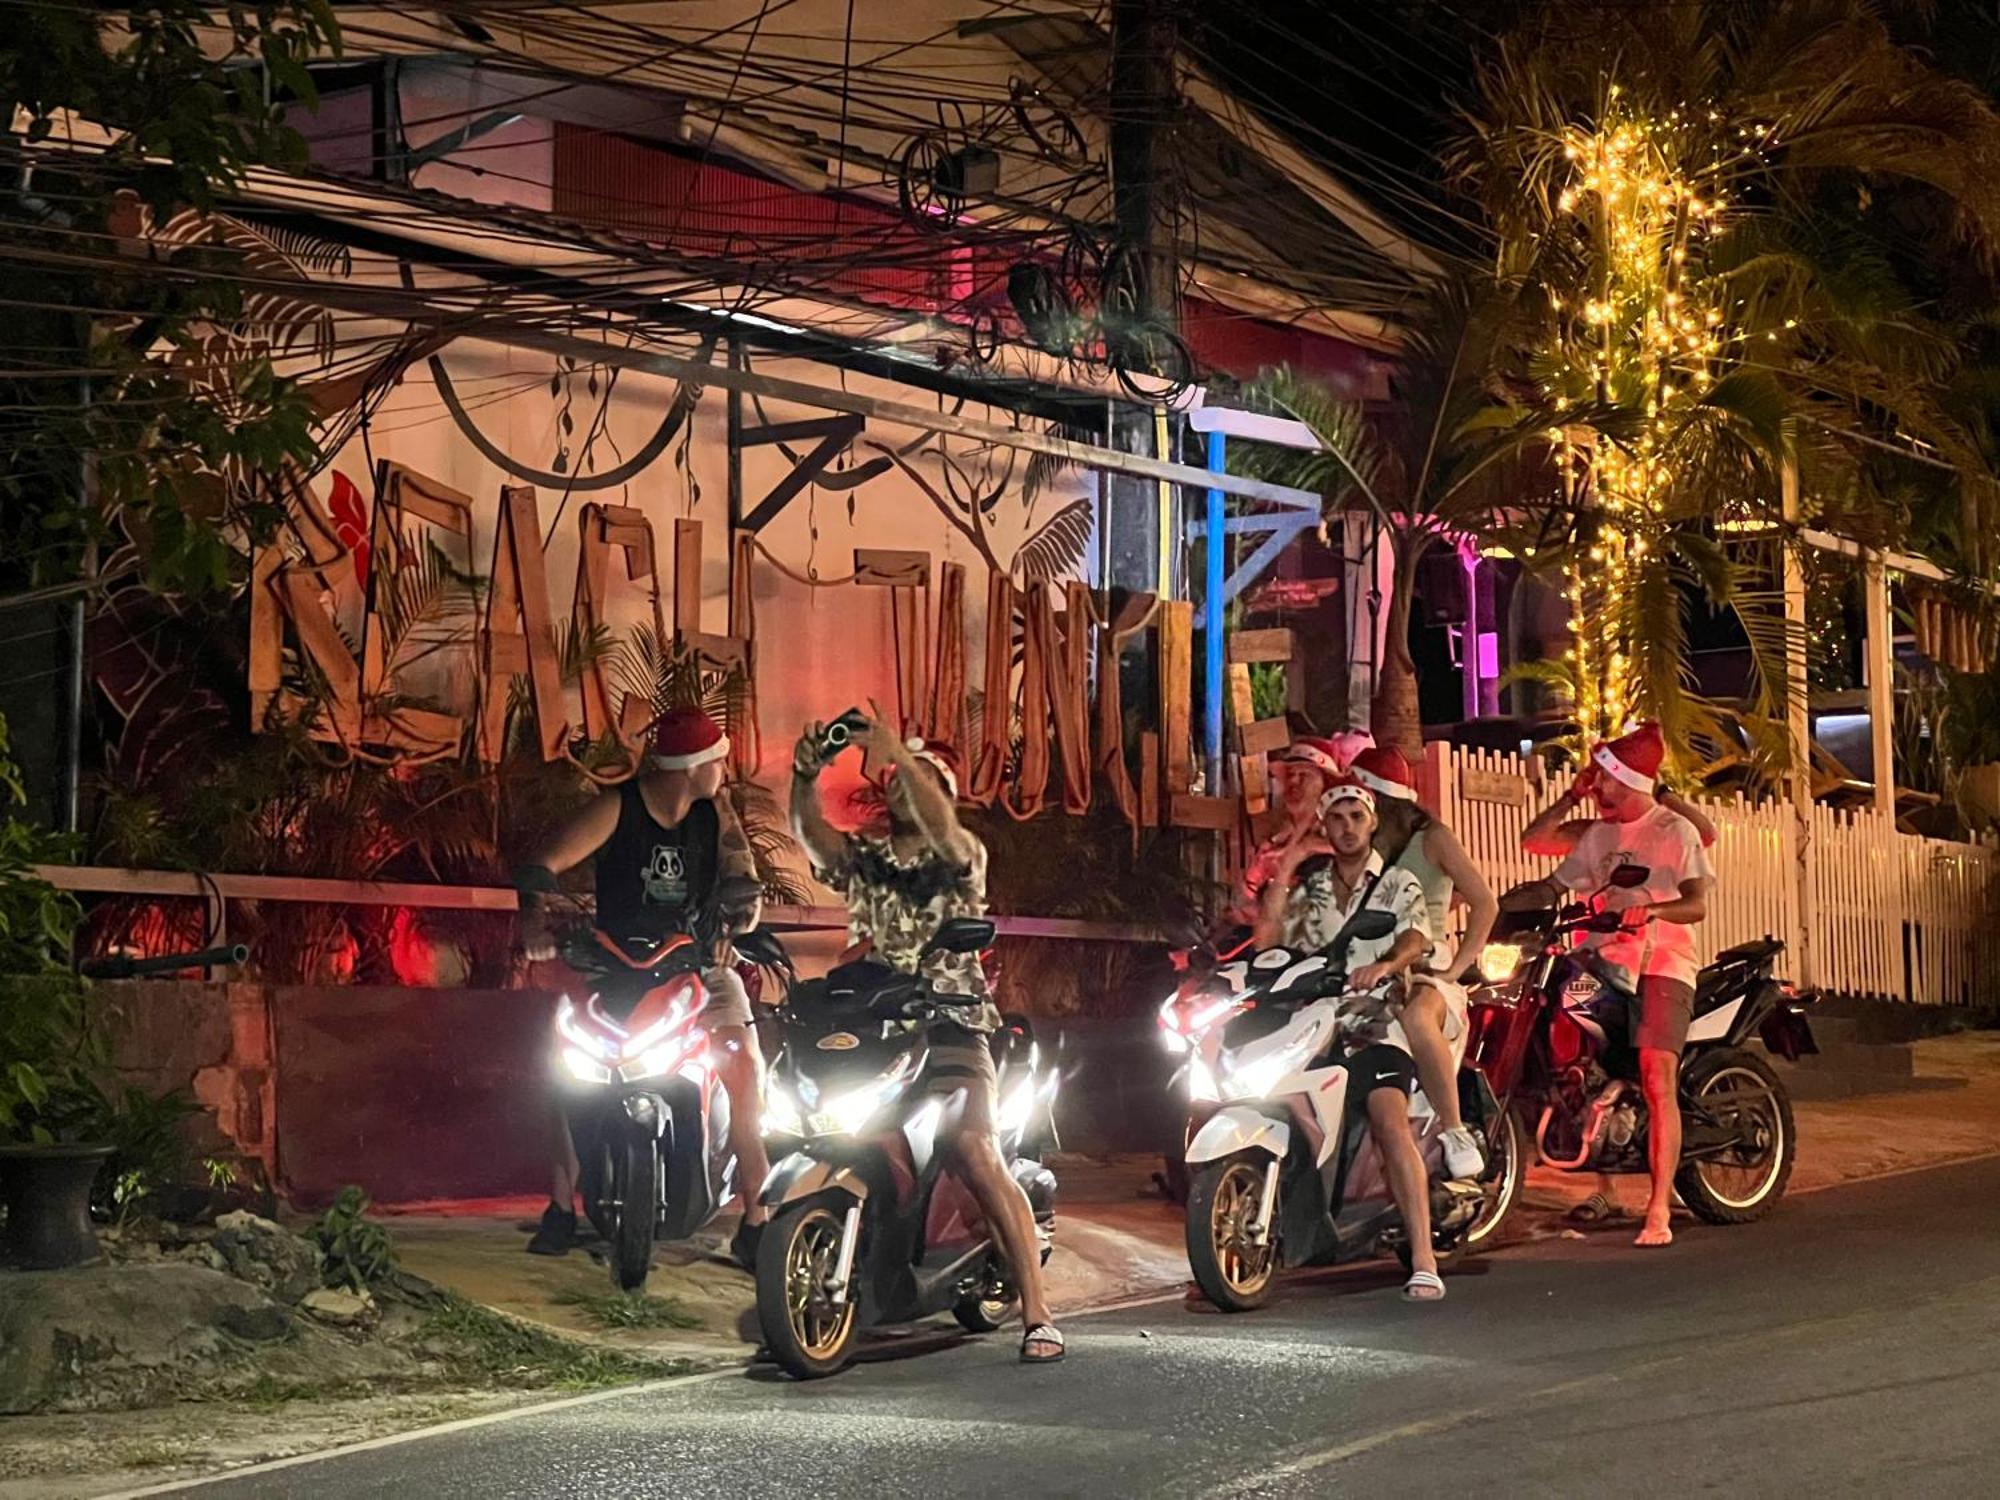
<point x="1890" y="915"/>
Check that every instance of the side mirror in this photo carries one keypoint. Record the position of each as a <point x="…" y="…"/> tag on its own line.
<point x="763" y="949"/>
<point x="963" y="935"/>
<point x="1629" y="877"/>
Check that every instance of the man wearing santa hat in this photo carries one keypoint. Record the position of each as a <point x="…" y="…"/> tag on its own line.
<point x="1654" y="951"/>
<point x="1319" y="885"/>
<point x="662" y="842"/>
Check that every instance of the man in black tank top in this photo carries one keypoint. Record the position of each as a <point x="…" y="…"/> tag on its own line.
<point x="661" y="843"/>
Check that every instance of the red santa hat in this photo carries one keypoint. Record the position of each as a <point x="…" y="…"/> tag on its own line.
<point x="1346" y="790"/>
<point x="1321" y="755"/>
<point x="1386" y="772"/>
<point x="1633" y="758"/>
<point x="938" y="756"/>
<point x="684" y="738"/>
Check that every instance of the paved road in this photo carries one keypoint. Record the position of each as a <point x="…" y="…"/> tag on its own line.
<point x="1847" y="1345"/>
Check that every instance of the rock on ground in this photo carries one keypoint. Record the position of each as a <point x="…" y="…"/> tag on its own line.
<point x="267" y="1255"/>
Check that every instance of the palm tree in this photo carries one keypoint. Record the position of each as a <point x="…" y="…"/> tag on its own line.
<point x="1686" y="186"/>
<point x="1455" y="444"/>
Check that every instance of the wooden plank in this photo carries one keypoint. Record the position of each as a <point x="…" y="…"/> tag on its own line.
<point x="329" y="652"/>
<point x="1253" y="774"/>
<point x="1264" y="736"/>
<point x="267" y="633"/>
<point x="1246" y="646"/>
<point x="1176" y="627"/>
<point x="888" y="567"/>
<point x="523" y="541"/>
<point x="687" y="578"/>
<point x="1507" y="788"/>
<point x="725" y="652"/>
<point x="1217" y="814"/>
<point x="1149" y="779"/>
<point x="427" y="499"/>
<point x="1237" y="697"/>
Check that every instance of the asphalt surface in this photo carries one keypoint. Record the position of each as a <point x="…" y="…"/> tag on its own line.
<point x="1844" y="1346"/>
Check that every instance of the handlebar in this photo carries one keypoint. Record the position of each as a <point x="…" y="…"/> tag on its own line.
<point x="122" y="966"/>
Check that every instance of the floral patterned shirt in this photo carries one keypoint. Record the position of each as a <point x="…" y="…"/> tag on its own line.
<point x="897" y="907"/>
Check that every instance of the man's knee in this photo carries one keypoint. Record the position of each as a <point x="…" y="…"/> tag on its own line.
<point x="1659" y="1069"/>
<point x="1425" y="1006"/>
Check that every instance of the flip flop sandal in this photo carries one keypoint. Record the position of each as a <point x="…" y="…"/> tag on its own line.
<point x="1596" y="1209"/>
<point x="1042" y="1333"/>
<point x="1424" y="1286"/>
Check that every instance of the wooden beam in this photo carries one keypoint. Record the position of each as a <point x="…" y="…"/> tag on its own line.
<point x="1247" y="646"/>
<point x="1878" y="662"/>
<point x="881" y="567"/>
<point x="1176" y="623"/>
<point x="687" y="578"/>
<point x="1217" y="814"/>
<point x="1264" y="736"/>
<point x="1798" y="723"/>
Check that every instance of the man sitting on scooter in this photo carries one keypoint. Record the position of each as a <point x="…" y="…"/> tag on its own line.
<point x="921" y="871"/>
<point x="1321" y="883"/>
<point x="663" y="842"/>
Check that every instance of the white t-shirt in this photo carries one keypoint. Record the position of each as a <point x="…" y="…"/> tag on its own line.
<point x="1670" y="849"/>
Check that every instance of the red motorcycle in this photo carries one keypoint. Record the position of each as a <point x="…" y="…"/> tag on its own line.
<point x="1550" y="1033"/>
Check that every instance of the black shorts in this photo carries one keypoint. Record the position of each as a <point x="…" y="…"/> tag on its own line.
<point x="1381" y="1066"/>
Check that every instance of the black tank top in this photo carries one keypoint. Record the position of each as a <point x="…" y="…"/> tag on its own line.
<point x="649" y="877"/>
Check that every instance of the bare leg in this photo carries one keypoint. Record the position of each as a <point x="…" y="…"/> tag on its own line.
<point x="563" y="1168"/>
<point x="1008" y="1212"/>
<point x="1423" y="1027"/>
<point x="1659" y="1072"/>
<point x="1389" y="1122"/>
<point x="740" y="1066"/>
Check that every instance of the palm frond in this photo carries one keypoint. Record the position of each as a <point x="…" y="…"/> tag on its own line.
<point x="1057" y="549"/>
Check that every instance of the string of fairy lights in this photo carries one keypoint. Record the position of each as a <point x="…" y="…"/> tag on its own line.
<point x="1645" y="201"/>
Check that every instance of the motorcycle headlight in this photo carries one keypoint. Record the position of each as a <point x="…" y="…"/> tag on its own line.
<point x="848" y="1112"/>
<point x="1201" y="1083"/>
<point x="1259" y="1076"/>
<point x="781" y="1111"/>
<point x="1499" y="961"/>
<point x="584" y="1068"/>
<point x="581" y="1035"/>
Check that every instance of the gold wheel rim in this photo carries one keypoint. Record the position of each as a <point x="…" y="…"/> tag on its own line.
<point x="810" y="1259"/>
<point x="1245" y="1266"/>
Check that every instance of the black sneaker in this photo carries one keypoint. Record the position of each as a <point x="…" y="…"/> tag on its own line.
<point x="556" y="1234"/>
<point x="743" y="1246"/>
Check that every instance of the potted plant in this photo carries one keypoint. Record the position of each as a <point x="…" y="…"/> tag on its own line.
<point x="46" y="1167"/>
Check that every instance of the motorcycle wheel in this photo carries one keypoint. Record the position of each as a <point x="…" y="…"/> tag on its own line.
<point x="807" y="1335"/>
<point x="635" y="1188"/>
<point x="1223" y="1198"/>
<point x="1745" y="1184"/>
<point x="988" y="1309"/>
<point x="1506" y="1171"/>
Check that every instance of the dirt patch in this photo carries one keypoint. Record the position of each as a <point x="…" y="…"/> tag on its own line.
<point x="77" y="1456"/>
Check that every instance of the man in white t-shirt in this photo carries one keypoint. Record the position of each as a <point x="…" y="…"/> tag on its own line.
<point x="1653" y="952"/>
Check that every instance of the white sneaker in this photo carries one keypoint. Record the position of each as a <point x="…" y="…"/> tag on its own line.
<point x="1462" y="1156"/>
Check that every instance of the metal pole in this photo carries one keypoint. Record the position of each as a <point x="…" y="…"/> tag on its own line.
<point x="1798" y="721"/>
<point x="1212" y="602"/>
<point x="1879" y="653"/>
<point x="73" y="749"/>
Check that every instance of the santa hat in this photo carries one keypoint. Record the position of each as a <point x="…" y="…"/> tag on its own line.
<point x="684" y="738"/>
<point x="1633" y="758"/>
<point x="1346" y="791"/>
<point x="1385" y="772"/>
<point x="1322" y="755"/>
<point x="937" y="755"/>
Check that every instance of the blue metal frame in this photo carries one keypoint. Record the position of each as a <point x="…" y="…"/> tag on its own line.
<point x="1278" y="531"/>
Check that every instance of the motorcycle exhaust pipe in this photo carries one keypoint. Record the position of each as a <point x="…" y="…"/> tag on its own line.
<point x="843" y="1270"/>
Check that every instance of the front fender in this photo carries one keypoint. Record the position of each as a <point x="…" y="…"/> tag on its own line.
<point x="801" y="1176"/>
<point x="1238" y="1128"/>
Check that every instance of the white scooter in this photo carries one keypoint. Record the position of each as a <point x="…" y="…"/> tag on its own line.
<point x="1283" y="1172"/>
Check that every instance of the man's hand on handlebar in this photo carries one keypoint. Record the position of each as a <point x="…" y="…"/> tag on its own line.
<point x="1369" y="975"/>
<point x="537" y="937"/>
